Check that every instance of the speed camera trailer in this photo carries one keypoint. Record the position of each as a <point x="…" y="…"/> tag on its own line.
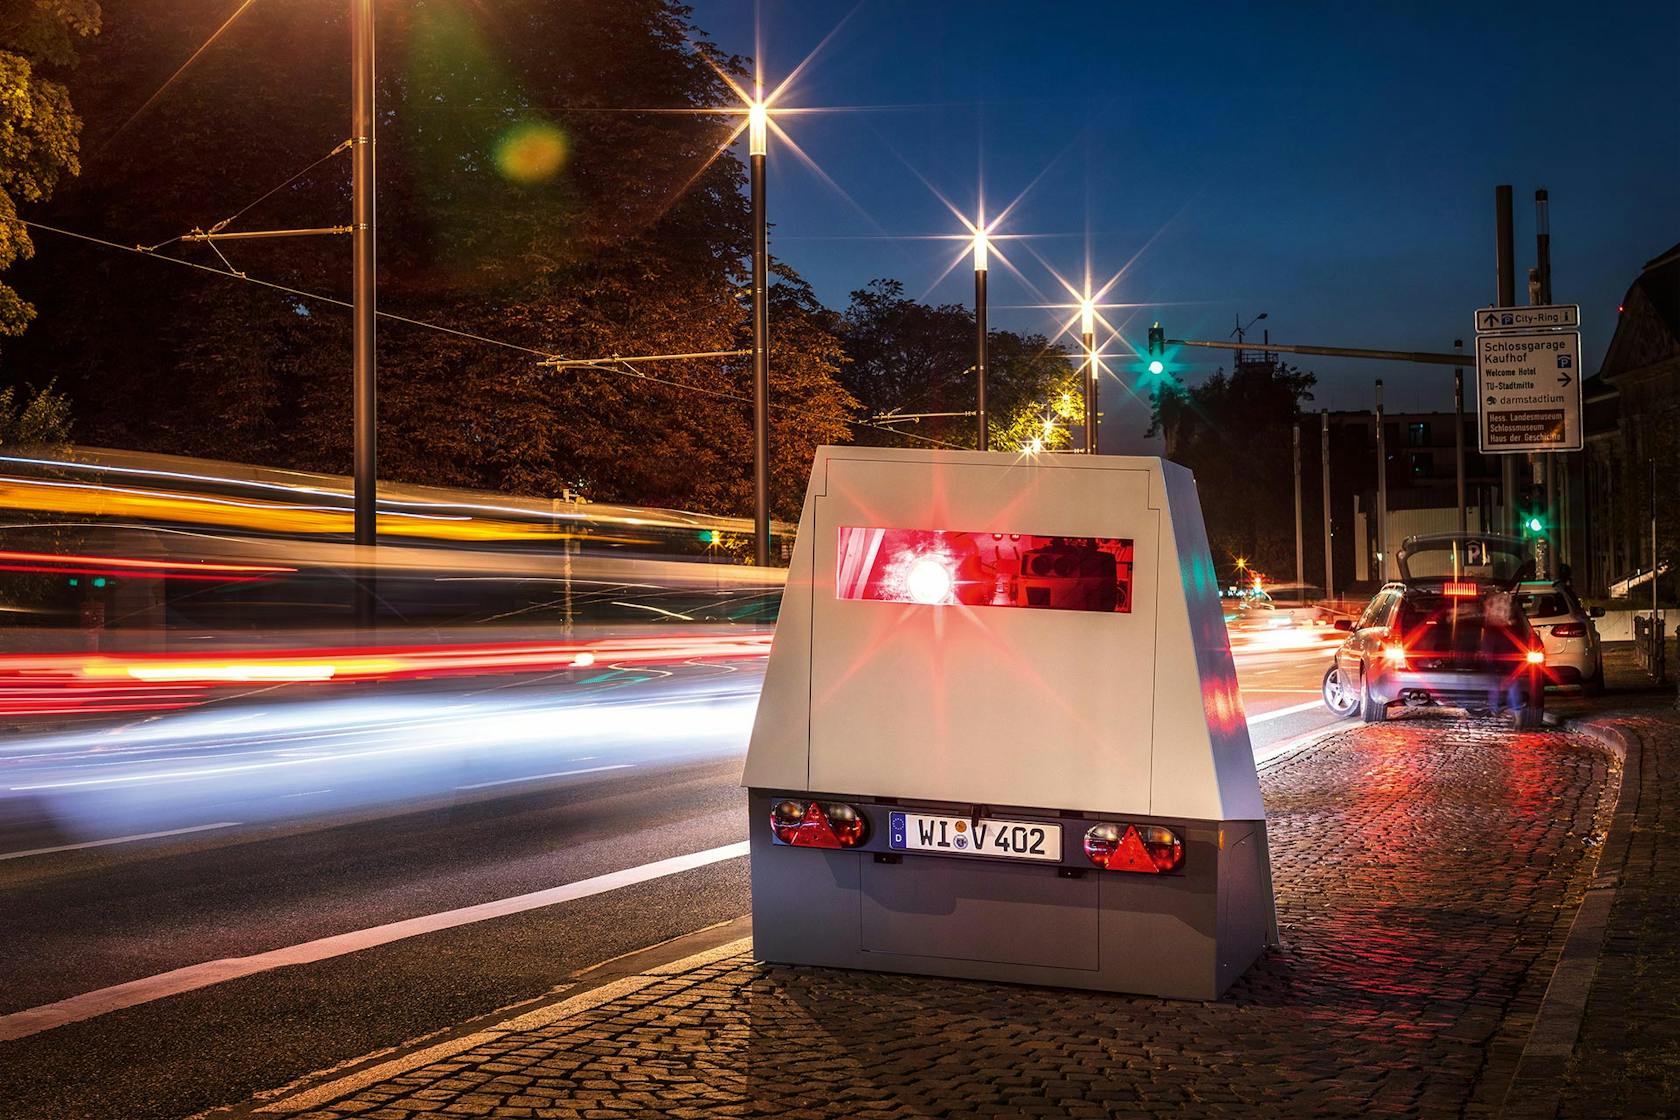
<point x="1000" y="735"/>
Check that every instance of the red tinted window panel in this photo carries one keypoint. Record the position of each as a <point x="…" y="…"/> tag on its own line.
<point x="939" y="567"/>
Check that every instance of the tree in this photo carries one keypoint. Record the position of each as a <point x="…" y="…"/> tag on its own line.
<point x="40" y="422"/>
<point x="1233" y="431"/>
<point x="907" y="356"/>
<point x="38" y="129"/>
<point x="526" y="195"/>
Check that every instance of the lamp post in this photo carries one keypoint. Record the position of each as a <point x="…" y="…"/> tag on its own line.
<point x="757" y="135"/>
<point x="981" y="341"/>
<point x="364" y="393"/>
<point x="1242" y="331"/>
<point x="1088" y="339"/>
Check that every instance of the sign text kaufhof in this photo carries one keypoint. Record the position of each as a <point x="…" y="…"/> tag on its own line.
<point x="1528" y="391"/>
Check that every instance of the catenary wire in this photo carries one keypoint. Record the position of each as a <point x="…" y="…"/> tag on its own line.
<point x="141" y="250"/>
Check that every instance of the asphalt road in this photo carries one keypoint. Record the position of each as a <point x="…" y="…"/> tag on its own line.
<point x="334" y="847"/>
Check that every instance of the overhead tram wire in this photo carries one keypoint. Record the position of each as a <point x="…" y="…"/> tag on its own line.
<point x="343" y="146"/>
<point x="593" y="364"/>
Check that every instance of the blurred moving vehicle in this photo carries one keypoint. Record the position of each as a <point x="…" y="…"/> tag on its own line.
<point x="1450" y="632"/>
<point x="1574" y="655"/>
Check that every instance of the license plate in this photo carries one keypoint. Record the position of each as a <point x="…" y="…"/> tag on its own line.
<point x="960" y="836"/>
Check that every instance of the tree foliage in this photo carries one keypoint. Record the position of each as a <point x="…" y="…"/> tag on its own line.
<point x="1233" y="431"/>
<point x="527" y="194"/>
<point x="37" y="421"/>
<point x="38" y="128"/>
<point x="911" y="357"/>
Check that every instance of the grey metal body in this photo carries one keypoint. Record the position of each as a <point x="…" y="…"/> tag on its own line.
<point x="1187" y="935"/>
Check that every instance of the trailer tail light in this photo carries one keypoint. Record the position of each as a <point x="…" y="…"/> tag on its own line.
<point x="1536" y="657"/>
<point x="1570" y="630"/>
<point x="1394" y="656"/>
<point x="817" y="824"/>
<point x="1460" y="589"/>
<point x="1148" y="848"/>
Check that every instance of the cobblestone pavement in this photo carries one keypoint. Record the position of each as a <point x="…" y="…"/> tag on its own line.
<point x="1627" y="1060"/>
<point x="1426" y="874"/>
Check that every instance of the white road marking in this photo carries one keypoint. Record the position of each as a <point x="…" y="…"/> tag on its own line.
<point x="117" y="840"/>
<point x="1279" y="713"/>
<point x="21" y="1024"/>
<point x="311" y="1091"/>
<point x="539" y="777"/>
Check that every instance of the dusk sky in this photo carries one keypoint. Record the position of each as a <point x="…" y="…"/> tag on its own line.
<point x="1330" y="164"/>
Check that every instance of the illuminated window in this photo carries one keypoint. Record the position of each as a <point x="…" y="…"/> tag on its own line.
<point x="937" y="567"/>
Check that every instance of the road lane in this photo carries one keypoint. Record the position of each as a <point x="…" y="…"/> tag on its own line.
<point x="319" y="858"/>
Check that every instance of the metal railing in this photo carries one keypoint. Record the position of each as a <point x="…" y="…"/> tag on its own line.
<point x="1650" y="647"/>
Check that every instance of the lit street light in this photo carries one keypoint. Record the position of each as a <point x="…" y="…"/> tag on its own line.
<point x="757" y="144"/>
<point x="1088" y="339"/>
<point x="980" y="248"/>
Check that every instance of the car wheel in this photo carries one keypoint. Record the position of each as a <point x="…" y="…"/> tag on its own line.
<point x="1594" y="685"/>
<point x="1371" y="710"/>
<point x="1338" y="697"/>
<point x="1529" y="717"/>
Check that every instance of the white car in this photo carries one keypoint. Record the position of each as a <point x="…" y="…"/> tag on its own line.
<point x="1574" y="655"/>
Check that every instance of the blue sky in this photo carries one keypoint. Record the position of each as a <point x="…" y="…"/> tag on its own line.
<point x="1333" y="165"/>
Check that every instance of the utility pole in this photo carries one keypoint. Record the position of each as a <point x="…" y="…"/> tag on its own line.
<point x="757" y="145"/>
<point x="1382" y="492"/>
<point x="1540" y="475"/>
<point x="1505" y="260"/>
<point x="1300" y="555"/>
<point x="1543" y="270"/>
<point x="1324" y="454"/>
<point x="365" y="485"/>
<point x="1458" y="439"/>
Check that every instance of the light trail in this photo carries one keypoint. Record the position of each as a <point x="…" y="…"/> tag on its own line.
<point x="85" y="683"/>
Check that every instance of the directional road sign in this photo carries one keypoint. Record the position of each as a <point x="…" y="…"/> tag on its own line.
<point x="1528" y="390"/>
<point x="1557" y="316"/>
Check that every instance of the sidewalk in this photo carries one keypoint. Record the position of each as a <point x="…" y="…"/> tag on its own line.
<point x="1427" y="878"/>
<point x="1626" y="1061"/>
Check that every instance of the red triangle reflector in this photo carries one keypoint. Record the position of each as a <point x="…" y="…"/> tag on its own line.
<point x="1131" y="855"/>
<point x="815" y="831"/>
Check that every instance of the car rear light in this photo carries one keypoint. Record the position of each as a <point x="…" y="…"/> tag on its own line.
<point x="1460" y="589"/>
<point x="1128" y="847"/>
<point x="1536" y="657"/>
<point x="1395" y="656"/>
<point x="817" y="824"/>
<point x="1570" y="630"/>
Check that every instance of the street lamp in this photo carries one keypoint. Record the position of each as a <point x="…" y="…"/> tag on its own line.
<point x="757" y="144"/>
<point x="981" y="246"/>
<point x="1088" y="338"/>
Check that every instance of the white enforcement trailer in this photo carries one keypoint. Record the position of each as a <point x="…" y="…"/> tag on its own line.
<point x="1000" y="735"/>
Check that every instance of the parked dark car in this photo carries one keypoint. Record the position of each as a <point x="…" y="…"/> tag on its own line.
<point x="1450" y="632"/>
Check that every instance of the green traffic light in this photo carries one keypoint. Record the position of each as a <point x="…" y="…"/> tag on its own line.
<point x="1156" y="368"/>
<point x="1534" y="525"/>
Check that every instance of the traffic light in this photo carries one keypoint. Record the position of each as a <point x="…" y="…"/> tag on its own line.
<point x="1157" y="356"/>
